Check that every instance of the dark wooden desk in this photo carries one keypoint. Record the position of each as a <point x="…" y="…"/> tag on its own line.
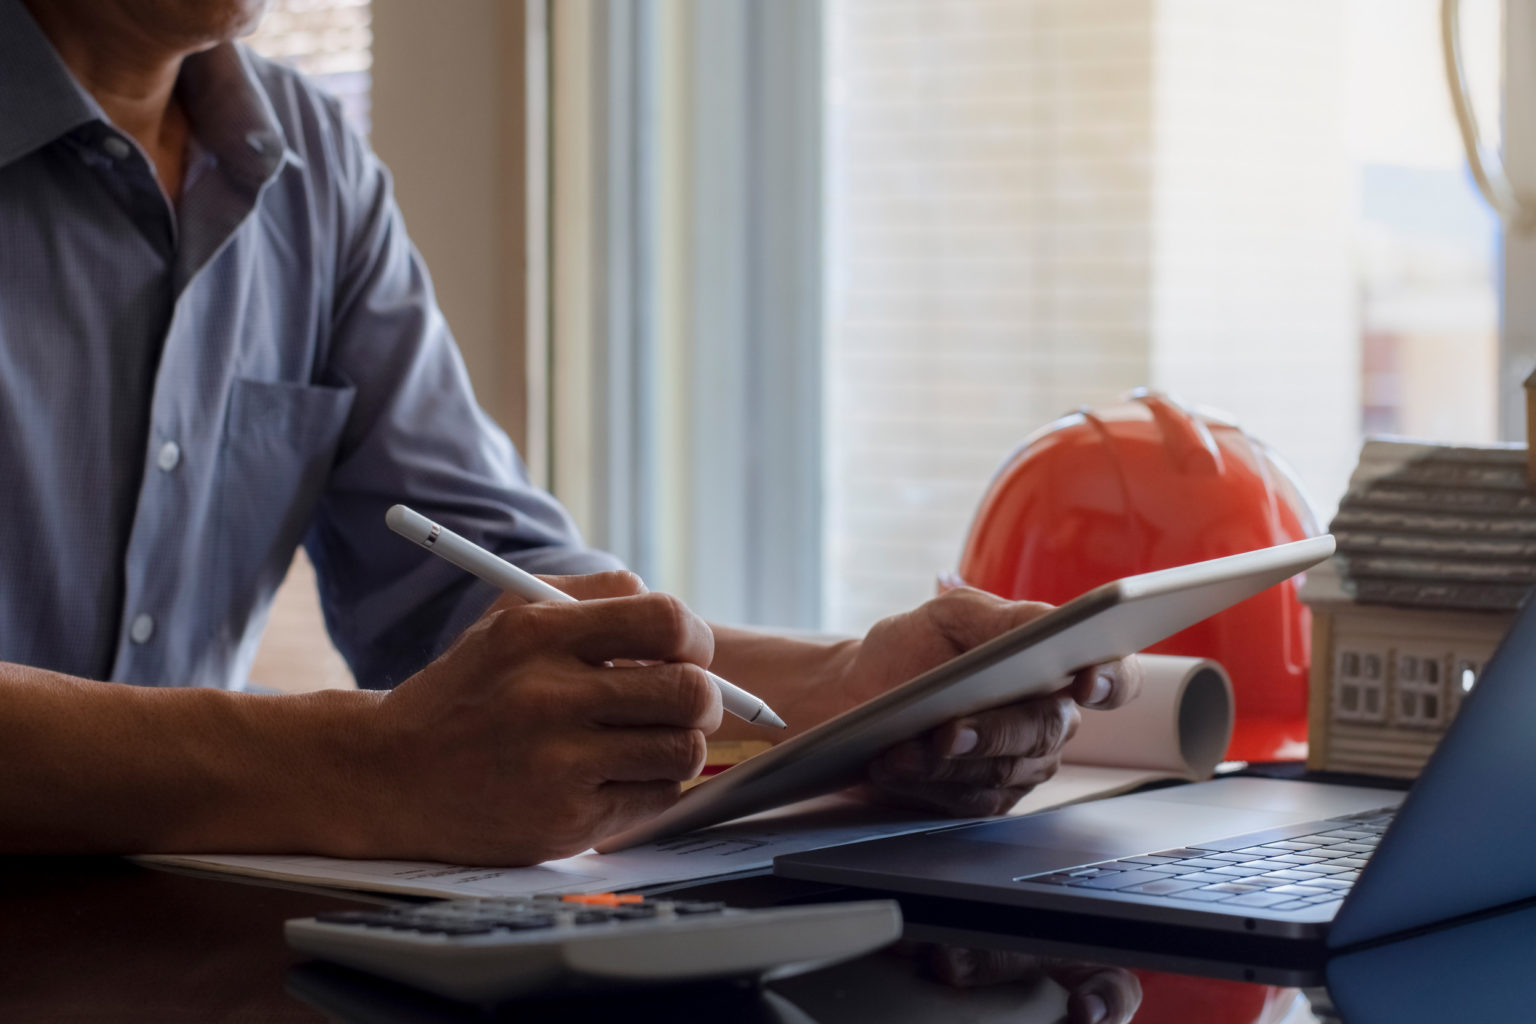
<point x="102" y="939"/>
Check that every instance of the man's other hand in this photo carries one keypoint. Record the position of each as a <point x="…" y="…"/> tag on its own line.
<point x="984" y="763"/>
<point x="524" y="742"/>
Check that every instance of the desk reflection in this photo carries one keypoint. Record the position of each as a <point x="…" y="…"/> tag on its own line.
<point x="1475" y="971"/>
<point x="913" y="982"/>
<point x="101" y="939"/>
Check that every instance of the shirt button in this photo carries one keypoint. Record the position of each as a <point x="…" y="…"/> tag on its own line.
<point x="142" y="629"/>
<point x="169" y="456"/>
<point x="115" y="147"/>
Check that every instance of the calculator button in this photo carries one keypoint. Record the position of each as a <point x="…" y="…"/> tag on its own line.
<point x="362" y="917"/>
<point x="531" y="922"/>
<point x="604" y="899"/>
<point x="634" y="913"/>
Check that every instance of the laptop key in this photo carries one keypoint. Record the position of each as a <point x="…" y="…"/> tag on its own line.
<point x="1232" y="888"/>
<point x="1171" y="868"/>
<point x="1199" y="896"/>
<point x="1291" y="844"/>
<point x="1299" y="891"/>
<point x="1206" y="877"/>
<point x="1178" y="854"/>
<point x="1203" y="862"/>
<point x="1297" y="858"/>
<point x="1148" y="859"/>
<point x="1277" y="878"/>
<point x="1332" y="869"/>
<point x="1330" y="883"/>
<point x="1237" y="871"/>
<point x="1161" y="888"/>
<point x="1273" y="835"/>
<point x="1292" y="905"/>
<point x="1255" y="899"/>
<point x="1294" y="875"/>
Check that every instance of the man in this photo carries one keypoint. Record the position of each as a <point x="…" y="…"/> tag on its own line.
<point x="217" y="342"/>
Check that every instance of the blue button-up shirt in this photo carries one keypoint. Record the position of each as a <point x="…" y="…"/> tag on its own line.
<point x="188" y="391"/>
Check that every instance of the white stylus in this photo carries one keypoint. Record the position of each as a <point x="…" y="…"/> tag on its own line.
<point x="498" y="572"/>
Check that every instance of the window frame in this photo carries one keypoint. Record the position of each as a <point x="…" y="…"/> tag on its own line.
<point x="1362" y="683"/>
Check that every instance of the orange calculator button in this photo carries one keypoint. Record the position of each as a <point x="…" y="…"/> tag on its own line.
<point x="603" y="899"/>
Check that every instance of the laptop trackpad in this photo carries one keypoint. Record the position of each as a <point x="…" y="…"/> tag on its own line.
<point x="1085" y="833"/>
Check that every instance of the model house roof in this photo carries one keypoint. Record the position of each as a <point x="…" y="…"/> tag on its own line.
<point x="1432" y="526"/>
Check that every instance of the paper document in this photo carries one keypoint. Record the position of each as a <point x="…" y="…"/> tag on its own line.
<point x="1178" y="728"/>
<point x="749" y="844"/>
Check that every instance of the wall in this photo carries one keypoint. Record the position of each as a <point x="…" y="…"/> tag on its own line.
<point x="447" y="120"/>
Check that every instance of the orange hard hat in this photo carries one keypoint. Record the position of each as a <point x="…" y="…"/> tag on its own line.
<point x="1146" y="485"/>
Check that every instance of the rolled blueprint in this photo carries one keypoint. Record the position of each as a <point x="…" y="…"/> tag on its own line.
<point x="1181" y="724"/>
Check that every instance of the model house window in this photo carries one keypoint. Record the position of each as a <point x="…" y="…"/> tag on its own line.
<point x="1464" y="676"/>
<point x="1360" y="690"/>
<point x="1420" y="694"/>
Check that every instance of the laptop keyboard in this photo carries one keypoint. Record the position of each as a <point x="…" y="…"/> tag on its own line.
<point x="1291" y="868"/>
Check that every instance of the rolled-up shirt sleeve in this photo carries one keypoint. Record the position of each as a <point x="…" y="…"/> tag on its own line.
<point x="414" y="435"/>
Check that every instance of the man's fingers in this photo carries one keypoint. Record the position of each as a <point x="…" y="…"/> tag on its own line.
<point x="967" y="617"/>
<point x="647" y="627"/>
<point x="1006" y="746"/>
<point x="1097" y="993"/>
<point x="675" y="694"/>
<point x="630" y="803"/>
<point x="617" y="583"/>
<point x="1106" y="686"/>
<point x="1030" y="728"/>
<point x="994" y="772"/>
<point x="653" y="754"/>
<point x="958" y="799"/>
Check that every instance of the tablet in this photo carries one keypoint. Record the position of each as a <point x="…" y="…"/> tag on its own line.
<point x="1039" y="657"/>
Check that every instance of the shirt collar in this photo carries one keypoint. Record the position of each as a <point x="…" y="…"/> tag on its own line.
<point x="40" y="101"/>
<point x="231" y="115"/>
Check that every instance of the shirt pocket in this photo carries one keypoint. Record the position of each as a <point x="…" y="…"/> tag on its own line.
<point x="280" y="441"/>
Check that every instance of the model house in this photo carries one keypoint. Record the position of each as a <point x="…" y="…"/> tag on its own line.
<point x="1437" y="547"/>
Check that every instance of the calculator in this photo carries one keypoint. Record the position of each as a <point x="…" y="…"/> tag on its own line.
<point x="491" y="950"/>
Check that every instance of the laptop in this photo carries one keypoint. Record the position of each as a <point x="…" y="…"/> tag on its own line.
<point x="1263" y="857"/>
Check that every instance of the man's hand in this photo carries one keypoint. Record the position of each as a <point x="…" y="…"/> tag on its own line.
<point x="981" y="764"/>
<point x="521" y="743"/>
<point x="1096" y="993"/>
